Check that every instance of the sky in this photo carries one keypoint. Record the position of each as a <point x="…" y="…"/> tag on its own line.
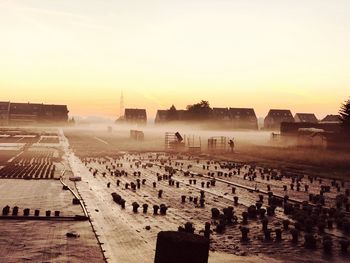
<point x="234" y="53"/>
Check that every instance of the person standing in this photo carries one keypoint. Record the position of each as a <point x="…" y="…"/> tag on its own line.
<point x="232" y="145"/>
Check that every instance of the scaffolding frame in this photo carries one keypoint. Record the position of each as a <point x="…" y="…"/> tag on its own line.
<point x="172" y="142"/>
<point x="137" y="135"/>
<point x="194" y="144"/>
<point x="218" y="144"/>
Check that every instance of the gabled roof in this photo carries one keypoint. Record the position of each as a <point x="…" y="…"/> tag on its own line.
<point x="57" y="108"/>
<point x="305" y="117"/>
<point x="4" y="105"/>
<point x="331" y="118"/>
<point x="162" y="114"/>
<point x="135" y="113"/>
<point x="242" y="112"/>
<point x="25" y="108"/>
<point x="220" y="110"/>
<point x="280" y="113"/>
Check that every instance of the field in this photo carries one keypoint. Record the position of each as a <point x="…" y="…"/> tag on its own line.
<point x="260" y="205"/>
<point x="99" y="168"/>
<point x="32" y="177"/>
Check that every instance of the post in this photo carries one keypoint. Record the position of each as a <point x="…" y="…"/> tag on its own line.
<point x="174" y="247"/>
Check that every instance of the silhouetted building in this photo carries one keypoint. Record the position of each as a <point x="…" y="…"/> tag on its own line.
<point x="236" y="118"/>
<point x="305" y="117"/>
<point x="314" y="138"/>
<point x="161" y="116"/>
<point x="307" y="134"/>
<point x="221" y="114"/>
<point x="4" y="112"/>
<point x="275" y="117"/>
<point x="243" y="118"/>
<point x="135" y="116"/>
<point x="165" y="116"/>
<point x="32" y="113"/>
<point x="331" y="118"/>
<point x="292" y="128"/>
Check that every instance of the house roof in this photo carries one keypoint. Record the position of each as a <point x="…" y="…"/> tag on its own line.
<point x="277" y="112"/>
<point x="4" y="105"/>
<point x="242" y="112"/>
<point x="331" y="118"/>
<point x="56" y="108"/>
<point x="36" y="108"/>
<point x="280" y="115"/>
<point x="220" y="110"/>
<point x="306" y="117"/>
<point x="162" y="114"/>
<point x="25" y="108"/>
<point x="132" y="113"/>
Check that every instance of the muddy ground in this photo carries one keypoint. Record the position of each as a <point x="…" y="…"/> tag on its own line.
<point x="41" y="239"/>
<point x="95" y="155"/>
<point x="110" y="162"/>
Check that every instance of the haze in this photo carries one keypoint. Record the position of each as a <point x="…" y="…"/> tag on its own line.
<point x="261" y="54"/>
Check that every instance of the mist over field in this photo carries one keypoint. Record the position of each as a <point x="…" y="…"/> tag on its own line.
<point x="184" y="131"/>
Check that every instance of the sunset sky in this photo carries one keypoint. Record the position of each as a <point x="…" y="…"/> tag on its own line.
<point x="236" y="53"/>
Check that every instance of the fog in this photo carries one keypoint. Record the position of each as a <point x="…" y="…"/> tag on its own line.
<point x="118" y="135"/>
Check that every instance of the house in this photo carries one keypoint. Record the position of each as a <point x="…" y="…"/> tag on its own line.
<point x="220" y="114"/>
<point x="4" y="112"/>
<point x="170" y="115"/>
<point x="275" y="117"/>
<point x="57" y="113"/>
<point x="305" y="117"/>
<point x="135" y="116"/>
<point x="13" y="113"/>
<point x="243" y="118"/>
<point x="237" y="118"/>
<point x="161" y="116"/>
<point x="331" y="119"/>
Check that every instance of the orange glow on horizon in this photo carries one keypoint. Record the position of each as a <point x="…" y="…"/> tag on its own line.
<point x="261" y="54"/>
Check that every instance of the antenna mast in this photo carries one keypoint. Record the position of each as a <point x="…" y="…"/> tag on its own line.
<point x="121" y="110"/>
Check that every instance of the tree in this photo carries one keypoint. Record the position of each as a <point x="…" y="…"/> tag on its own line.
<point x="345" y="116"/>
<point x="199" y="111"/>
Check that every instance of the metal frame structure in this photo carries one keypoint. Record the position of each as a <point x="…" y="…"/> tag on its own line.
<point x="172" y="142"/>
<point x="218" y="144"/>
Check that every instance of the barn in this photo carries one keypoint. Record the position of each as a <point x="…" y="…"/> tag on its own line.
<point x="275" y="117"/>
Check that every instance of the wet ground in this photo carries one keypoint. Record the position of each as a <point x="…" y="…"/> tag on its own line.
<point x="191" y="186"/>
<point x="29" y="181"/>
<point x="151" y="166"/>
